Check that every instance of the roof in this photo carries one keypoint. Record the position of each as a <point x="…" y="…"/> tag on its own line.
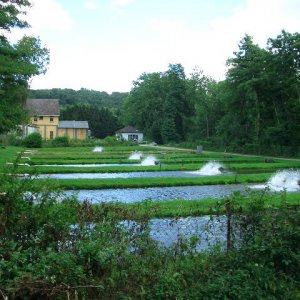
<point x="73" y="124"/>
<point x="42" y="107"/>
<point x="129" y="129"/>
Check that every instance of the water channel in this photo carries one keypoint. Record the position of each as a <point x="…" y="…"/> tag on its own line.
<point x="133" y="195"/>
<point x="209" y="231"/>
<point x="122" y="175"/>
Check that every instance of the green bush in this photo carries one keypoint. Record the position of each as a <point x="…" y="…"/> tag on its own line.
<point x="33" y="140"/>
<point x="53" y="247"/>
<point x="61" y="141"/>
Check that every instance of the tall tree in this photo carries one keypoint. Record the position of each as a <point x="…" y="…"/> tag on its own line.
<point x="203" y="91"/>
<point x="18" y="63"/>
<point x="101" y="120"/>
<point x="245" y="83"/>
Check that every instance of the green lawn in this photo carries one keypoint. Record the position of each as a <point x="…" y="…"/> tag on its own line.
<point x="158" y="182"/>
<point x="184" y="208"/>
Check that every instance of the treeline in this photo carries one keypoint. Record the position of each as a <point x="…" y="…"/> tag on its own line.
<point x="100" y="109"/>
<point x="256" y="109"/>
<point x="72" y="97"/>
<point x="102" y="121"/>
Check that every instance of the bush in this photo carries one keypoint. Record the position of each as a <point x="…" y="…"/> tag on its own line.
<point x="53" y="247"/>
<point x="33" y="140"/>
<point x="61" y="141"/>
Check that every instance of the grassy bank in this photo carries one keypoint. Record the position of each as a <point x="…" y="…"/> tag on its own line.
<point x="186" y="208"/>
<point x="77" y="184"/>
<point x="8" y="154"/>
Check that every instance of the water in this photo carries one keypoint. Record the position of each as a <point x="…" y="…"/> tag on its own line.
<point x="209" y="231"/>
<point x="136" y="155"/>
<point x="89" y="165"/>
<point x="98" y="149"/>
<point x="121" y="175"/>
<point x="211" y="168"/>
<point x="288" y="180"/>
<point x="156" y="193"/>
<point x="150" y="161"/>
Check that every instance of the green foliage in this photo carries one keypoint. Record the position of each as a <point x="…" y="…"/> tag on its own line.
<point x="18" y="63"/>
<point x="83" y="96"/>
<point x="254" y="110"/>
<point x="158" y="105"/>
<point x="33" y="140"/>
<point x="102" y="122"/>
<point x="61" y="141"/>
<point x="53" y="247"/>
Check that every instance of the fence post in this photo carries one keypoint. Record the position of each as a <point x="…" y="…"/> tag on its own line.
<point x="228" y="210"/>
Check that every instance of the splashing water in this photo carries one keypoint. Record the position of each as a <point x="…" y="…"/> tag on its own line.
<point x="211" y="168"/>
<point x="150" y="161"/>
<point x="288" y="180"/>
<point x="136" y="155"/>
<point x="98" y="149"/>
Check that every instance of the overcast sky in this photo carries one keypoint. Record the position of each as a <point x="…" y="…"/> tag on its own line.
<point x="106" y="44"/>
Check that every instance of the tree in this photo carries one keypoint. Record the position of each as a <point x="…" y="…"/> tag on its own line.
<point x="246" y="89"/>
<point x="261" y="97"/>
<point x="101" y="120"/>
<point x="143" y="108"/>
<point x="18" y="63"/>
<point x="158" y="105"/>
<point x="203" y="91"/>
<point x="283" y="127"/>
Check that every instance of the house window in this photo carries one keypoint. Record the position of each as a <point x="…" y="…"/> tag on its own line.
<point x="51" y="119"/>
<point x="35" y="119"/>
<point x="51" y="135"/>
<point x="41" y="118"/>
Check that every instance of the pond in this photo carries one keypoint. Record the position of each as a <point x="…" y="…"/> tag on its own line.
<point x="209" y="231"/>
<point x="156" y="193"/>
<point x="87" y="165"/>
<point x="122" y="175"/>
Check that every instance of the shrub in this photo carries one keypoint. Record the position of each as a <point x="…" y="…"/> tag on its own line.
<point x="61" y="141"/>
<point x="33" y="140"/>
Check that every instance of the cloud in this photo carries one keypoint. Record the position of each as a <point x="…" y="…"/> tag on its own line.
<point x="260" y="19"/>
<point x="166" y="26"/>
<point x="113" y="64"/>
<point x="118" y="5"/>
<point x="91" y="4"/>
<point x="48" y="15"/>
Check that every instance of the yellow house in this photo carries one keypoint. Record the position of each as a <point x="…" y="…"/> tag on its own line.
<point x="73" y="129"/>
<point x="44" y="117"/>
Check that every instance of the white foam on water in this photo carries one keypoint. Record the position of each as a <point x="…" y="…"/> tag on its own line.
<point x="150" y="161"/>
<point x="136" y="155"/>
<point x="211" y="168"/>
<point x="98" y="149"/>
<point x="288" y="180"/>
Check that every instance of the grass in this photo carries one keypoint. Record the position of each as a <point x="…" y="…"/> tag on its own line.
<point x="185" y="208"/>
<point x="8" y="154"/>
<point x="77" y="184"/>
<point x="237" y="167"/>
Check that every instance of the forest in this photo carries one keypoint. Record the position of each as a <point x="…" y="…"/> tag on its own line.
<point x="254" y="110"/>
<point x="54" y="246"/>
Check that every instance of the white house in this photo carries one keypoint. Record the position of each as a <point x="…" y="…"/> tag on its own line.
<point x="130" y="134"/>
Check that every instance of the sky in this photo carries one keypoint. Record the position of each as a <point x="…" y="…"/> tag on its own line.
<point x="105" y="45"/>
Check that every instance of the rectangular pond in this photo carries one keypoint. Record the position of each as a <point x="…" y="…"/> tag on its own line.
<point x="133" y="195"/>
<point x="209" y="231"/>
<point x="121" y="175"/>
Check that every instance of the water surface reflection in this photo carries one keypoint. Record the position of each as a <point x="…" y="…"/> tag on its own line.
<point x="157" y="193"/>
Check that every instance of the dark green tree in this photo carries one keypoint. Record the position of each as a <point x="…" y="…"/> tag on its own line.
<point x="245" y="94"/>
<point x="101" y="120"/>
<point x="203" y="92"/>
